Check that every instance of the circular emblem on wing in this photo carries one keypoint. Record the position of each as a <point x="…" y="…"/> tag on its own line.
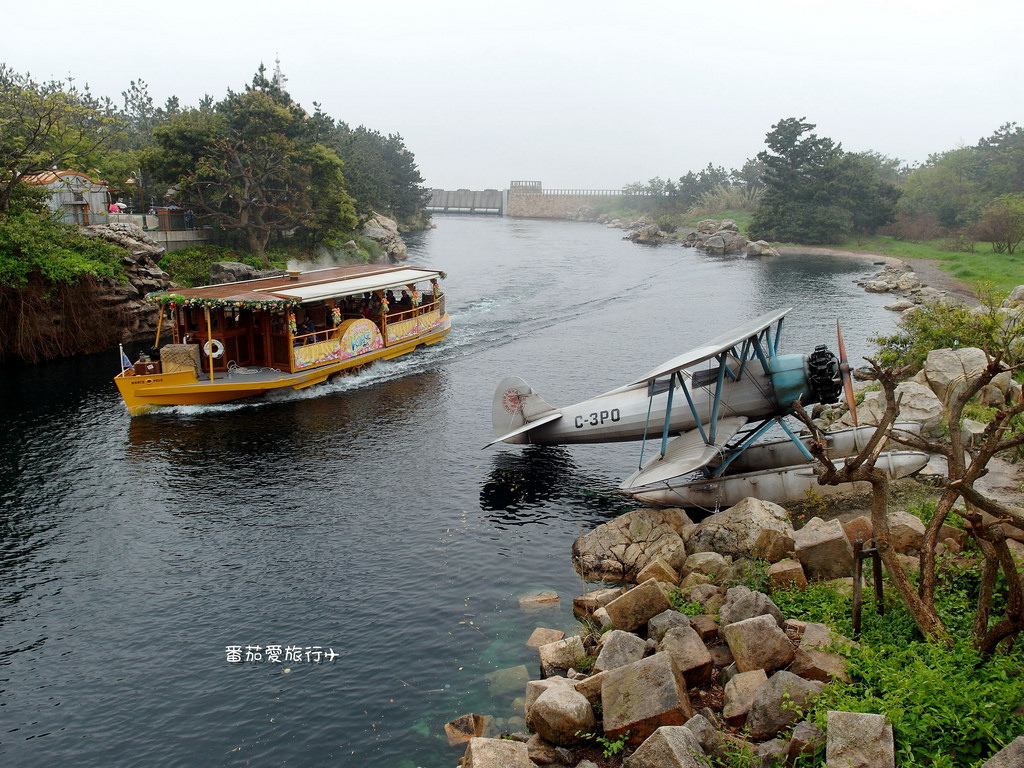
<point x="511" y="401"/>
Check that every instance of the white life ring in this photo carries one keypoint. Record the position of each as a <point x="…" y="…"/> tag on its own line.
<point x="217" y="347"/>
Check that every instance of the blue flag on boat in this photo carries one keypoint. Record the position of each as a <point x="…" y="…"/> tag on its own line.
<point x="125" y="362"/>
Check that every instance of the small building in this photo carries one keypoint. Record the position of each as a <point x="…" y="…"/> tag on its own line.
<point x="73" y="195"/>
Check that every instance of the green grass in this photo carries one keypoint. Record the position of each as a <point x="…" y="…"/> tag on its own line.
<point x="1002" y="271"/>
<point x="949" y="708"/>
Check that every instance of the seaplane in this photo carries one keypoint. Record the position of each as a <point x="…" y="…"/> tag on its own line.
<point x="709" y="408"/>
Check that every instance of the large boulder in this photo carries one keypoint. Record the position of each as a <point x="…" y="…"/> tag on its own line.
<point x="859" y="739"/>
<point x="804" y="741"/>
<point x="1010" y="756"/>
<point x="711" y="564"/>
<point x="385" y="231"/>
<point x="561" y="714"/>
<point x="230" y="272"/>
<point x="739" y="695"/>
<point x="816" y="664"/>
<point x="561" y="655"/>
<point x="751" y="528"/>
<point x="618" y="649"/>
<point x="535" y="689"/>
<point x="664" y="621"/>
<point x="643" y="696"/>
<point x="906" y="532"/>
<point x="824" y="550"/>
<point x="496" y="753"/>
<point x="778" y="703"/>
<point x="638" y="606"/>
<point x="744" y="603"/>
<point x="918" y="404"/>
<point x="620" y="549"/>
<point x="462" y="729"/>
<point x="690" y="655"/>
<point x="586" y="604"/>
<point x="759" y="248"/>
<point x="949" y="371"/>
<point x="671" y="746"/>
<point x="787" y="574"/>
<point x="758" y="643"/>
<point x="725" y="241"/>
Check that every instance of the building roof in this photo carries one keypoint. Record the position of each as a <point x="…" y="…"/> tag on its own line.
<point x="44" y="178"/>
<point x="301" y="288"/>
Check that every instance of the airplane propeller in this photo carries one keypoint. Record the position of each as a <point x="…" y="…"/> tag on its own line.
<point x="845" y="372"/>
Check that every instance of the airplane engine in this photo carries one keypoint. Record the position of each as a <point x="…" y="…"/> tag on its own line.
<point x="823" y="376"/>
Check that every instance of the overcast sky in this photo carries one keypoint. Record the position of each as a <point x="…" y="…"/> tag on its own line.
<point x="585" y="95"/>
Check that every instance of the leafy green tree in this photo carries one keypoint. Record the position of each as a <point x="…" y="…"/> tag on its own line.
<point x="381" y="173"/>
<point x="1001" y="161"/>
<point x="861" y="187"/>
<point x="252" y="165"/>
<point x="47" y="125"/>
<point x="944" y="187"/>
<point x="815" y="192"/>
<point x="1002" y="223"/>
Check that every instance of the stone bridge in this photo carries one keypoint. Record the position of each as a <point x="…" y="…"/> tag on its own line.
<point x="526" y="199"/>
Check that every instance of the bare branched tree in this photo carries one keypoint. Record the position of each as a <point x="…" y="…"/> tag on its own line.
<point x="984" y="517"/>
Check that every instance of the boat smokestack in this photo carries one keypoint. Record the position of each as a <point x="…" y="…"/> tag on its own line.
<point x="293" y="274"/>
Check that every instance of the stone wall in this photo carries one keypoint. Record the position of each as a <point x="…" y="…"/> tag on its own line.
<point x="553" y="206"/>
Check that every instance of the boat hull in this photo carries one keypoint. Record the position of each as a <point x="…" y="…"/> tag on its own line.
<point x="144" y="393"/>
<point x="782" y="484"/>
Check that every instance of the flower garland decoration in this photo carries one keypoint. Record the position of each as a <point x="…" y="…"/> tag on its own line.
<point x="336" y="316"/>
<point x="384" y="306"/>
<point x="197" y="302"/>
<point x="415" y="298"/>
<point x="292" y="327"/>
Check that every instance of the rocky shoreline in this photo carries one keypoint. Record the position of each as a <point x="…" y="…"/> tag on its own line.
<point x="727" y="682"/>
<point x="921" y="283"/>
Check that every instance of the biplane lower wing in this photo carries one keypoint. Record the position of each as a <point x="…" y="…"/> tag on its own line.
<point x="686" y="454"/>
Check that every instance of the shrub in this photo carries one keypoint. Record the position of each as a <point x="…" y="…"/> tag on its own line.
<point x="191" y="266"/>
<point x="944" y="326"/>
<point x="31" y="244"/>
<point x="947" y="708"/>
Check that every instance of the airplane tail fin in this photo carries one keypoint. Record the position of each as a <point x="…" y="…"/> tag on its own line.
<point x="516" y="409"/>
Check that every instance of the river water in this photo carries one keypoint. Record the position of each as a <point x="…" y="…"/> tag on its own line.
<point x="362" y="516"/>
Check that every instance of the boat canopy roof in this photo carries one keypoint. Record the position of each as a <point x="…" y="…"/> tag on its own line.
<point x="304" y="288"/>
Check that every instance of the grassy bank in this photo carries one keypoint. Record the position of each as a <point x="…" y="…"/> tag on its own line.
<point x="1002" y="271"/>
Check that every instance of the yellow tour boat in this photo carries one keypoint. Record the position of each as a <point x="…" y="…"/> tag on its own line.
<point x="237" y="340"/>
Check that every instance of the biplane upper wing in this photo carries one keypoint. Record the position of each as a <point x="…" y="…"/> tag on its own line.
<point x="726" y="341"/>
<point x="686" y="453"/>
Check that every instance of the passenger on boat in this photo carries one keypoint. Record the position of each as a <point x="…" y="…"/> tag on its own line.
<point x="309" y="327"/>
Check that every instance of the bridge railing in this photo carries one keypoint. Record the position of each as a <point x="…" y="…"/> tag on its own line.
<point x="580" y="193"/>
